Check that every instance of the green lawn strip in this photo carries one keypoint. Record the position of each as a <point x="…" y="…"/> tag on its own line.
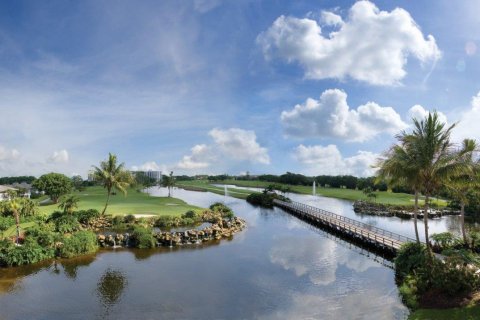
<point x="383" y="197"/>
<point x="203" y="185"/>
<point x="467" y="313"/>
<point x="134" y="203"/>
<point x="10" y="232"/>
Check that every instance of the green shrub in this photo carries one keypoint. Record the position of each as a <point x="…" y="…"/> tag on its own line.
<point x="87" y="216"/>
<point x="142" y="238"/>
<point x="224" y="210"/>
<point x="410" y="257"/>
<point x="6" y="222"/>
<point x="129" y="218"/>
<point x="43" y="235"/>
<point x="29" y="252"/>
<point x="408" y="291"/>
<point x="188" y="222"/>
<point x="444" y="240"/>
<point x="190" y="215"/>
<point x="67" y="223"/>
<point x="81" y="242"/>
<point x="164" y="222"/>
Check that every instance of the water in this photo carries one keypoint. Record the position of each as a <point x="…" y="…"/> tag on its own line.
<point x="277" y="268"/>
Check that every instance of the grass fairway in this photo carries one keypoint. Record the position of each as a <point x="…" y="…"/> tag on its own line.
<point x="467" y="313"/>
<point x="134" y="203"/>
<point x="384" y="197"/>
<point x="204" y="185"/>
<point x="12" y="231"/>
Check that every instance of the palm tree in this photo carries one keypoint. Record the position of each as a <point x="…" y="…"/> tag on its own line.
<point x="69" y="203"/>
<point x="398" y="167"/>
<point x="430" y="146"/>
<point x="459" y="185"/>
<point x="14" y="207"/>
<point x="112" y="176"/>
<point x="169" y="182"/>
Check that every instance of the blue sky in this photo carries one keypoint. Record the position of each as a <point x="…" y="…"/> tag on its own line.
<point x="212" y="86"/>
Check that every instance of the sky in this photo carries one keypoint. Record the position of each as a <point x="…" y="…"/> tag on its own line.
<point x="229" y="86"/>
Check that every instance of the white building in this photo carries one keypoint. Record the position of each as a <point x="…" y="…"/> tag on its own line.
<point x="3" y="192"/>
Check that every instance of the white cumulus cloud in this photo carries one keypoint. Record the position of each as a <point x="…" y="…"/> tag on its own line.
<point x="231" y="144"/>
<point x="468" y="124"/>
<point x="149" y="166"/>
<point x="8" y="154"/>
<point x="331" y="117"/>
<point x="370" y="45"/>
<point x="419" y="112"/>
<point x="327" y="160"/>
<point x="59" y="156"/>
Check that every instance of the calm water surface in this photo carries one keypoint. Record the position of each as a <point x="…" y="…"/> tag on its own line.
<point x="278" y="268"/>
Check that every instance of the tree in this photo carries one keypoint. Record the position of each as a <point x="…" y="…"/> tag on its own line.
<point x="169" y="182"/>
<point x="398" y="167"/>
<point x="430" y="146"/>
<point x="69" y="203"/>
<point x="77" y="182"/>
<point x="112" y="176"/>
<point x="14" y="207"/>
<point x="54" y="185"/>
<point x="460" y="185"/>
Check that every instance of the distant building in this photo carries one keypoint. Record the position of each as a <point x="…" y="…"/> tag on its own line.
<point x="91" y="176"/>
<point x="4" y="192"/>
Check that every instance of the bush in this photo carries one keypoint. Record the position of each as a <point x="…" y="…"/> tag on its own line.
<point x="67" y="223"/>
<point x="224" y="210"/>
<point x="129" y="218"/>
<point x="408" y="291"/>
<point x="164" y="222"/>
<point x="81" y="242"/>
<point x="190" y="215"/>
<point x="87" y="216"/>
<point x="142" y="238"/>
<point x="44" y="235"/>
<point x="6" y="222"/>
<point x="410" y="257"/>
<point x="261" y="199"/>
<point x="29" y="252"/>
<point x="444" y="240"/>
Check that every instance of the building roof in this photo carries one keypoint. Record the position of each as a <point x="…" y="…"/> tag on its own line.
<point x="5" y="188"/>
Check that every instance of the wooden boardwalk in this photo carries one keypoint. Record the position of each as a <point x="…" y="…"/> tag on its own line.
<point x="377" y="237"/>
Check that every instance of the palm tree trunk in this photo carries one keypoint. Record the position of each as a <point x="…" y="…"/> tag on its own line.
<point x="17" y="222"/>
<point x="415" y="217"/>
<point x="425" y="221"/>
<point x="462" y="221"/>
<point x="106" y="203"/>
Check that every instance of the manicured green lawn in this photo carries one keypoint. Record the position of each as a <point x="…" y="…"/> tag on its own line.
<point x="468" y="313"/>
<point x="385" y="197"/>
<point x="204" y="185"/>
<point x="134" y="203"/>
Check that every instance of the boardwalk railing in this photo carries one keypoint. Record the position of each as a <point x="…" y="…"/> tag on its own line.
<point x="367" y="232"/>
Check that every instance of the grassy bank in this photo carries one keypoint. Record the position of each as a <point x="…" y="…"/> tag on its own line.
<point x="134" y="203"/>
<point x="204" y="185"/>
<point x="384" y="197"/>
<point x="467" y="313"/>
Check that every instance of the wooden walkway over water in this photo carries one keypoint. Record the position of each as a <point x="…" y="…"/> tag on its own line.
<point x="368" y="234"/>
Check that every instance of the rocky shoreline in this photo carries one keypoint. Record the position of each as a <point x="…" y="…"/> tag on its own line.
<point x="376" y="209"/>
<point x="216" y="231"/>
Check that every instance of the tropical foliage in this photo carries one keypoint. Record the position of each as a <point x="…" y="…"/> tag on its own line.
<point x="54" y="185"/>
<point x="112" y="176"/>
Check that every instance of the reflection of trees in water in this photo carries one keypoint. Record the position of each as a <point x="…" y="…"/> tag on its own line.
<point x="453" y="224"/>
<point x="11" y="278"/>
<point x="70" y="267"/>
<point x="111" y="286"/>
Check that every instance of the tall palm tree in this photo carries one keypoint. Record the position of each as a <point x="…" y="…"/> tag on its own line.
<point x="112" y="176"/>
<point x="14" y="207"/>
<point x="460" y="184"/>
<point x="169" y="182"/>
<point x="399" y="168"/>
<point x="437" y="161"/>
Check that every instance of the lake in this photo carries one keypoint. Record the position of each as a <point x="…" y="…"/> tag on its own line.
<point x="277" y="268"/>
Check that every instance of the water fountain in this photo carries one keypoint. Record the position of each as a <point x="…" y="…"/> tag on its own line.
<point x="314" y="188"/>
